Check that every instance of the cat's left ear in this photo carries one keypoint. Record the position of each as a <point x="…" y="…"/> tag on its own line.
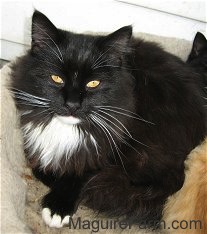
<point x="199" y="44"/>
<point x="119" y="39"/>
<point x="43" y="31"/>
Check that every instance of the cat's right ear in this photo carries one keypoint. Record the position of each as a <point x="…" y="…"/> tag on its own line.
<point x="44" y="32"/>
<point x="199" y="44"/>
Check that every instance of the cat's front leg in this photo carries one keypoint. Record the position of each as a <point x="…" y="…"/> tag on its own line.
<point x="62" y="201"/>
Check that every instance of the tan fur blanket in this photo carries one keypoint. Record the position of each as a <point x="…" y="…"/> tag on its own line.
<point x="21" y="193"/>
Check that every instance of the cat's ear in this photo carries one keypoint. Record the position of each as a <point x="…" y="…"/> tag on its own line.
<point x="43" y="31"/>
<point x="119" y="39"/>
<point x="199" y="43"/>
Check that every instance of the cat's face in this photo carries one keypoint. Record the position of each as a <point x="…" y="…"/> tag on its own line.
<point x="70" y="75"/>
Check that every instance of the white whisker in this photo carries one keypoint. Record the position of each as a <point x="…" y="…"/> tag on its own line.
<point x="102" y="62"/>
<point x="126" y="114"/>
<point x="119" y="108"/>
<point x="35" y="101"/>
<point x="48" y="62"/>
<point x="30" y="104"/>
<point x="116" y="147"/>
<point x="106" y="134"/>
<point x="107" y="66"/>
<point x="129" y="135"/>
<point x="46" y="110"/>
<point x="21" y="92"/>
<point x="53" y="51"/>
<point x="119" y="136"/>
<point x="98" y="59"/>
<point x="117" y="121"/>
<point x="52" y="41"/>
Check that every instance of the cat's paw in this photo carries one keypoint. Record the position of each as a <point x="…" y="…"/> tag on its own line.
<point x="57" y="207"/>
<point x="54" y="220"/>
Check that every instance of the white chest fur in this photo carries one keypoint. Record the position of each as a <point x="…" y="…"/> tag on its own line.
<point x="58" y="139"/>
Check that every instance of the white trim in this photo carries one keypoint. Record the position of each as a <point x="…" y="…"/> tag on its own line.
<point x="192" y="9"/>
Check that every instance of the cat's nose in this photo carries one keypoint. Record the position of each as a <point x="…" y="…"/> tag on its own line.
<point x="72" y="106"/>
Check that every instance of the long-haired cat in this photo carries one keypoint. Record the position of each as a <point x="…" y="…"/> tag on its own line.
<point x="107" y="121"/>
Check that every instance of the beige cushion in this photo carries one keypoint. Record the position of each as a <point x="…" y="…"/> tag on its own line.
<point x="21" y="193"/>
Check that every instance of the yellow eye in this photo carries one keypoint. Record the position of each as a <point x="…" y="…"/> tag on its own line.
<point x="93" y="84"/>
<point x="57" y="79"/>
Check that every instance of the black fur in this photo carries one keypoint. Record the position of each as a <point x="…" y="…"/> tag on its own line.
<point x="135" y="75"/>
<point x="198" y="58"/>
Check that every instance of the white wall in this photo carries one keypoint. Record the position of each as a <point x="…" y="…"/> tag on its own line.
<point x="193" y="9"/>
<point x="99" y="16"/>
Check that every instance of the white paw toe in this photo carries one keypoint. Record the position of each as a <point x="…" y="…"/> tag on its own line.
<point x="65" y="220"/>
<point x="46" y="215"/>
<point x="55" y="220"/>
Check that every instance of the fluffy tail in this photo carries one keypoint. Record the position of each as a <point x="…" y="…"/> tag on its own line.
<point x="112" y="192"/>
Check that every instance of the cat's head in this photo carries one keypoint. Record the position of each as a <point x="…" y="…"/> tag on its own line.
<point x="70" y="75"/>
<point x="198" y="56"/>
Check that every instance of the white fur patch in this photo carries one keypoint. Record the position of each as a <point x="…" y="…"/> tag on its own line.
<point x="59" y="138"/>
<point x="69" y="119"/>
<point x="55" y="220"/>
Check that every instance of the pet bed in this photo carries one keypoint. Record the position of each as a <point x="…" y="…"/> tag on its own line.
<point x="21" y="193"/>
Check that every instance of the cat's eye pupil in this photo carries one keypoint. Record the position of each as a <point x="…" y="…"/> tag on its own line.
<point x="93" y="84"/>
<point x="57" y="79"/>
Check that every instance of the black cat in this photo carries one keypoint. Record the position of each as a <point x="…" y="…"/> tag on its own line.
<point x="198" y="58"/>
<point x="107" y="121"/>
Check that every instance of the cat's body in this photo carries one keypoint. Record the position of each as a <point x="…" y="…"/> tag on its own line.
<point x="119" y="147"/>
